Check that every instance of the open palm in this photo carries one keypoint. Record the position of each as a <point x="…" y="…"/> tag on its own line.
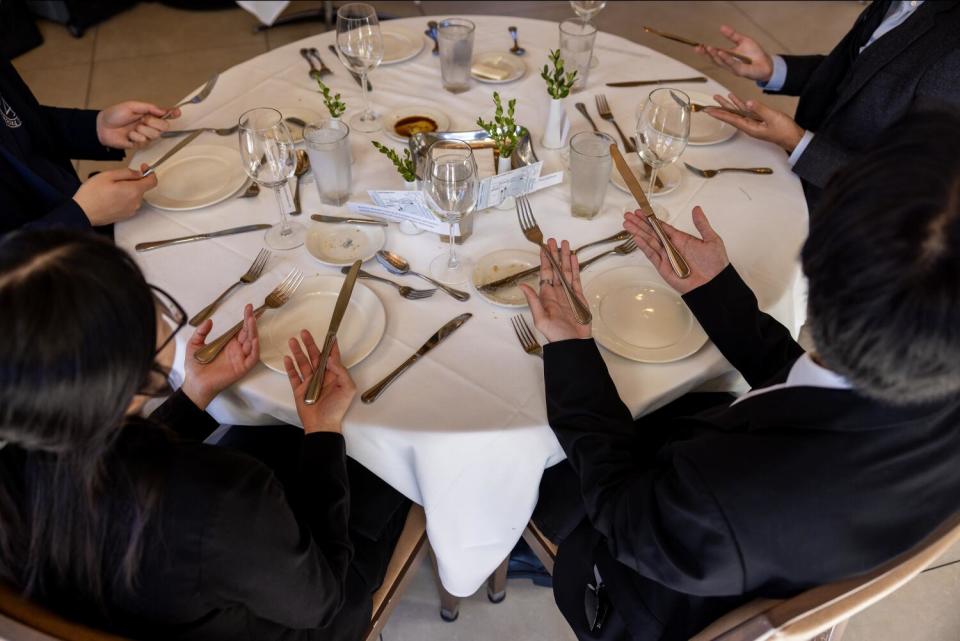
<point x="203" y="382"/>
<point x="552" y="313"/>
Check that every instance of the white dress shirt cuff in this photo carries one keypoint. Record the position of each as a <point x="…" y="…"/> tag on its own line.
<point x="800" y="148"/>
<point x="779" y="76"/>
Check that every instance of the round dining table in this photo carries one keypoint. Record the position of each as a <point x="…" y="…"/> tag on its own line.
<point x="464" y="433"/>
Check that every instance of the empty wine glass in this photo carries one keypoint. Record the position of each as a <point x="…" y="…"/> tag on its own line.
<point x="360" y="47"/>
<point x="450" y="188"/>
<point x="663" y="129"/>
<point x="269" y="158"/>
<point x="586" y="9"/>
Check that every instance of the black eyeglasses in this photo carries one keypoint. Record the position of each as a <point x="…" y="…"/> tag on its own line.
<point x="158" y="384"/>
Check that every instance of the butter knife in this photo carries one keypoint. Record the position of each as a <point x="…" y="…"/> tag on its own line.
<point x="156" y="244"/>
<point x="343" y="300"/>
<point x="680" y="267"/>
<point x="693" y="43"/>
<point x="321" y="218"/>
<point x="664" y="81"/>
<point x="180" y="145"/>
<point x="374" y="392"/>
<point x="353" y="73"/>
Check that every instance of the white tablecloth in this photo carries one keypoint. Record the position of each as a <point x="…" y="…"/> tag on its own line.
<point x="464" y="432"/>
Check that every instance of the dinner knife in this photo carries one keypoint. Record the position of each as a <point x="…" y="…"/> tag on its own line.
<point x="353" y="73"/>
<point x="672" y="36"/>
<point x="664" y="81"/>
<point x="343" y="300"/>
<point x="143" y="247"/>
<point x="180" y="145"/>
<point x="321" y="218"/>
<point x="441" y="334"/>
<point x="680" y="267"/>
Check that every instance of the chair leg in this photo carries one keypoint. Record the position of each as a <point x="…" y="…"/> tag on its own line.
<point x="449" y="604"/>
<point x="497" y="583"/>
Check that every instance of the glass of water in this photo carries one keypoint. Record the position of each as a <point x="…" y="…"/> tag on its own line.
<point x="328" y="146"/>
<point x="663" y="130"/>
<point x="576" y="48"/>
<point x="455" y="41"/>
<point x="590" y="165"/>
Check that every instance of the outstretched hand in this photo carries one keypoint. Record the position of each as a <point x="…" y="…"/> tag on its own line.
<point x="774" y="126"/>
<point x="552" y="313"/>
<point x="336" y="393"/>
<point x="706" y="256"/>
<point x="761" y="66"/>
<point x="202" y="382"/>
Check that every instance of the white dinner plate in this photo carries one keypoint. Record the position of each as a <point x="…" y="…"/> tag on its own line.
<point x="638" y="316"/>
<point x="197" y="176"/>
<point x="400" y="114"/>
<point x="338" y="244"/>
<point x="704" y="128"/>
<point x="306" y="115"/>
<point x="500" y="264"/>
<point x="399" y="44"/>
<point x="311" y="308"/>
<point x="512" y="66"/>
<point x="670" y="175"/>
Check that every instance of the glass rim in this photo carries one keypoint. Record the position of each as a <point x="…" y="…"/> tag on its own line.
<point x="344" y="128"/>
<point x="671" y="89"/>
<point x="372" y="11"/>
<point x="250" y="128"/>
<point x="457" y="22"/>
<point x="594" y="134"/>
<point x="580" y="21"/>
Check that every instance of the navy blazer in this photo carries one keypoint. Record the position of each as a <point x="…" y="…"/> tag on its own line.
<point x="688" y="517"/>
<point x="37" y="179"/>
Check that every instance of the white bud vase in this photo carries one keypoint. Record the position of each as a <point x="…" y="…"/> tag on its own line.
<point x="558" y="126"/>
<point x="503" y="166"/>
<point x="406" y="226"/>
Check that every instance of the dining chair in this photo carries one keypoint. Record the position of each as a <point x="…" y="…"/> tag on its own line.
<point x="22" y="620"/>
<point x="821" y="613"/>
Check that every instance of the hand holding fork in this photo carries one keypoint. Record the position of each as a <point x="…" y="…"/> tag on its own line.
<point x="553" y="313"/>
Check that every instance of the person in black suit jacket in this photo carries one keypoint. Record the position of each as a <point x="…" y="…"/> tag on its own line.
<point x="38" y="185"/>
<point x="138" y="527"/>
<point x="838" y="459"/>
<point x="899" y="57"/>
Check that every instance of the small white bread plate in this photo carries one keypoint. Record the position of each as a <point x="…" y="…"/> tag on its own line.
<point x="338" y="244"/>
<point x="500" y="264"/>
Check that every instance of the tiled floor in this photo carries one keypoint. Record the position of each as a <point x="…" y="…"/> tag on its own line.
<point x="158" y="53"/>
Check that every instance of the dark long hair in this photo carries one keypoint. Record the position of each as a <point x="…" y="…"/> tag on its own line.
<point x="78" y="328"/>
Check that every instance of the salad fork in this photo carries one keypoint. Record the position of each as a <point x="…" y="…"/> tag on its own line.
<point x="525" y="335"/>
<point x="405" y="290"/>
<point x="197" y="99"/>
<point x="621" y="250"/>
<point x="603" y="108"/>
<point x="528" y="224"/>
<point x="277" y="298"/>
<point x="710" y="173"/>
<point x="251" y="276"/>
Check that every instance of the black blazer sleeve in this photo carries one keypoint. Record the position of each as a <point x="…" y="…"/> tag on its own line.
<point x="658" y="517"/>
<point x="755" y="343"/>
<point x="799" y="71"/>
<point x="179" y="414"/>
<point x="75" y="131"/>
<point x="287" y="566"/>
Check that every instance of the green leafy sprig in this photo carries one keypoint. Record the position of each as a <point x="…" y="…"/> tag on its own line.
<point x="502" y="129"/>
<point x="335" y="106"/>
<point x="405" y="166"/>
<point x="559" y="82"/>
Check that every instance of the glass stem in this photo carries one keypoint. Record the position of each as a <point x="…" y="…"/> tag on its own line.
<point x="281" y="205"/>
<point x="653" y="181"/>
<point x="452" y="262"/>
<point x="367" y="113"/>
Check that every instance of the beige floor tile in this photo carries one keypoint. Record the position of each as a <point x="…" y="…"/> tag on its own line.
<point x="64" y="86"/>
<point x="923" y="610"/>
<point x="783" y="21"/>
<point x="163" y="79"/>
<point x="59" y="48"/>
<point x="153" y="29"/>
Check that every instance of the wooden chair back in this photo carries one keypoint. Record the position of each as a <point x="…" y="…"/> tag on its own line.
<point x="820" y="613"/>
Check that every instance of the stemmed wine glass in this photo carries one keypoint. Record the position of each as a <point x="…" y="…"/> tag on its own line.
<point x="269" y="158"/>
<point x="360" y="47"/>
<point x="663" y="129"/>
<point x="586" y="9"/>
<point x="450" y="188"/>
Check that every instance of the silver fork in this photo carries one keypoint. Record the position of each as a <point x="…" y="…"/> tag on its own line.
<point x="197" y="99"/>
<point x="710" y="173"/>
<point x="405" y="290"/>
<point x="532" y="233"/>
<point x="221" y="131"/>
<point x="525" y="335"/>
<point x="603" y="108"/>
<point x="253" y="273"/>
<point x="277" y="298"/>
<point x="622" y="250"/>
